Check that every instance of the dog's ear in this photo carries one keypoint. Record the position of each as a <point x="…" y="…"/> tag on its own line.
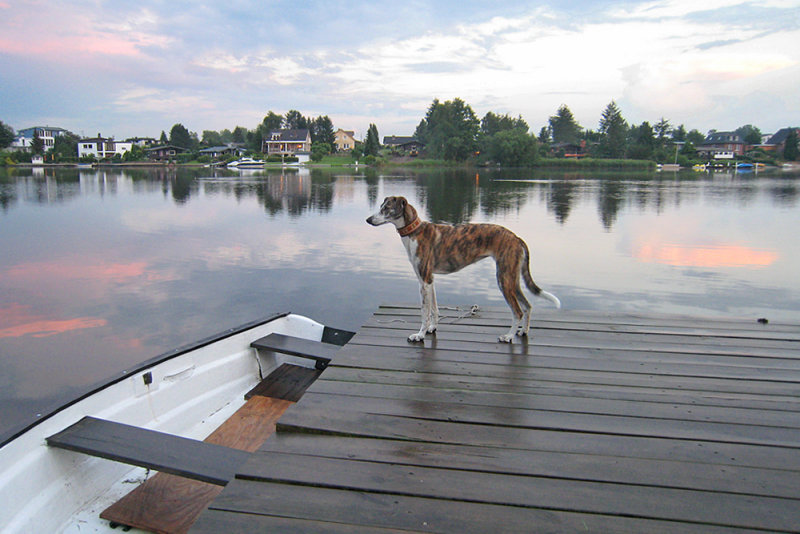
<point x="402" y="202"/>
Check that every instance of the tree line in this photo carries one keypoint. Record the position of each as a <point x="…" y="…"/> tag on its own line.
<point x="451" y="131"/>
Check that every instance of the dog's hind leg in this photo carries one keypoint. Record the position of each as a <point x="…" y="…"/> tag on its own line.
<point x="509" y="287"/>
<point x="525" y="324"/>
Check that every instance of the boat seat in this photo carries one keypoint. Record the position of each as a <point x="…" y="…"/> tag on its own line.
<point x="163" y="452"/>
<point x="318" y="351"/>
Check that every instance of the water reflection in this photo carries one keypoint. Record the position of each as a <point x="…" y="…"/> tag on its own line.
<point x="450" y="195"/>
<point x="103" y="268"/>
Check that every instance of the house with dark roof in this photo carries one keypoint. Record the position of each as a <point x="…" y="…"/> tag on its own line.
<point x="722" y="145"/>
<point x="287" y="142"/>
<point x="400" y="143"/>
<point x="222" y="150"/>
<point x="778" y="140"/>
<point x="164" y="152"/>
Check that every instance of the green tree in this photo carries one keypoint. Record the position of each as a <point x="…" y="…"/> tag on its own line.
<point x="212" y="138"/>
<point x="642" y="142"/>
<point x="37" y="145"/>
<point x="65" y="147"/>
<point x="239" y="135"/>
<point x="449" y="130"/>
<point x="294" y="120"/>
<point x="564" y="128"/>
<point x="6" y="135"/>
<point x="749" y="134"/>
<point x="679" y="134"/>
<point x="695" y="137"/>
<point x="271" y="122"/>
<point x="513" y="148"/>
<point x="662" y="130"/>
<point x="493" y="123"/>
<point x="613" y="132"/>
<point x="791" y="150"/>
<point x="319" y="151"/>
<point x="372" y="144"/>
<point x="322" y="131"/>
<point x="163" y="140"/>
<point x="180" y="136"/>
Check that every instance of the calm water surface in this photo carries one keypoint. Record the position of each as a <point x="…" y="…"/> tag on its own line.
<point x="101" y="270"/>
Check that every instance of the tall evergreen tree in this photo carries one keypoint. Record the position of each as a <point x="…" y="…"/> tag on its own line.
<point x="180" y="136"/>
<point x="372" y="143"/>
<point x="294" y="120"/>
<point x="564" y="128"/>
<point x="791" y="150"/>
<point x="613" y="131"/>
<point x="322" y="131"/>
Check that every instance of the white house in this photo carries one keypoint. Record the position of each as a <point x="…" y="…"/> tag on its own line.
<point x="47" y="134"/>
<point x="101" y="147"/>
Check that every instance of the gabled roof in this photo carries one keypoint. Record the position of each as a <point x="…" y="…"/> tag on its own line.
<point x="299" y="135"/>
<point x="780" y="136"/>
<point x="723" y="137"/>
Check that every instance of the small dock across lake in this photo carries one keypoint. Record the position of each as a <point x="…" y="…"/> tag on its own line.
<point x="599" y="422"/>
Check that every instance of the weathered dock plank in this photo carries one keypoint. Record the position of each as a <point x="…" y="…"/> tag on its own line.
<point x="599" y="422"/>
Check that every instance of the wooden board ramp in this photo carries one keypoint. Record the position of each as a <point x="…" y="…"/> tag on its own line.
<point x="599" y="422"/>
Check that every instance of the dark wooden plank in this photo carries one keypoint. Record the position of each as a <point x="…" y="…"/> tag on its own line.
<point x="320" y="352"/>
<point x="658" y="503"/>
<point x="595" y="359"/>
<point x="663" y="472"/>
<point x="547" y="314"/>
<point x="562" y="421"/>
<point x="565" y="388"/>
<point x="471" y="339"/>
<point x="747" y="335"/>
<point x="379" y="510"/>
<point x="169" y="503"/>
<point x="525" y="374"/>
<point x="318" y="420"/>
<point x="287" y="382"/>
<point x="490" y="401"/>
<point x="154" y="450"/>
<point x="217" y="521"/>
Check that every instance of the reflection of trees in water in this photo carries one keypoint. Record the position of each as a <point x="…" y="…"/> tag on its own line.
<point x="447" y="195"/>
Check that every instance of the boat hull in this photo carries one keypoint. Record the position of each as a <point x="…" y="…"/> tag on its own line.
<point x="188" y="392"/>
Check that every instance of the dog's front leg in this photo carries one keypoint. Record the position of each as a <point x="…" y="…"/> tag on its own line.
<point x="426" y="292"/>
<point x="433" y="308"/>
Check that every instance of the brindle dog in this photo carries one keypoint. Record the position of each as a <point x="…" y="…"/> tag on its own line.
<point x="443" y="249"/>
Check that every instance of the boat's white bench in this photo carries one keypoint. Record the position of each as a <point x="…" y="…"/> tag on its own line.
<point x="133" y="445"/>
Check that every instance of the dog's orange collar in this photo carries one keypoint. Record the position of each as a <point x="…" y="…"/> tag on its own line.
<point x="409" y="228"/>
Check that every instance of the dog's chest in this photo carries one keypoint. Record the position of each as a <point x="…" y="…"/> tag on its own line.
<point x="411" y="246"/>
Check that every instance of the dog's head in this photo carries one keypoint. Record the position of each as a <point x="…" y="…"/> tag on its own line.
<point x="395" y="210"/>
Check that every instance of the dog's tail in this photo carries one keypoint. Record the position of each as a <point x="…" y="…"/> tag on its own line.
<point x="526" y="275"/>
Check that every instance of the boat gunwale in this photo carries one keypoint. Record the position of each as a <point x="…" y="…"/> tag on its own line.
<point x="15" y="433"/>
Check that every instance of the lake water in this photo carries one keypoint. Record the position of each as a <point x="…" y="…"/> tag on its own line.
<point x="102" y="269"/>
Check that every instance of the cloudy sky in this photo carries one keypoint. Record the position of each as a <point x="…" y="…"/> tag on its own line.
<point x="136" y="68"/>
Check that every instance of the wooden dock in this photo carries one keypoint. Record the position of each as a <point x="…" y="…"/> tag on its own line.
<point x="600" y="422"/>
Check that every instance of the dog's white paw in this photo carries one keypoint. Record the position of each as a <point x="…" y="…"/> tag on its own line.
<point x="522" y="333"/>
<point x="504" y="339"/>
<point x="431" y="330"/>
<point x="416" y="338"/>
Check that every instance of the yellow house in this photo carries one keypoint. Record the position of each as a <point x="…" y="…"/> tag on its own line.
<point x="345" y="140"/>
